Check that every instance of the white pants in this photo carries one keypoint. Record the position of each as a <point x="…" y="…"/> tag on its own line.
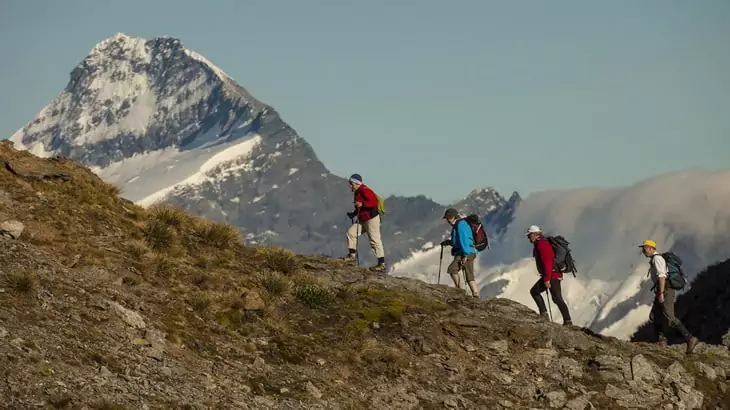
<point x="370" y="227"/>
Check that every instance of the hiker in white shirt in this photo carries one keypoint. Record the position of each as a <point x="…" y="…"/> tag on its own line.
<point x="662" y="310"/>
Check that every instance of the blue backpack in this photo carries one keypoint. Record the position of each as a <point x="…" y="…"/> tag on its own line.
<point x="676" y="278"/>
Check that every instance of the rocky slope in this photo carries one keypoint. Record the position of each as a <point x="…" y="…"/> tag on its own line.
<point x="703" y="308"/>
<point x="106" y="305"/>
<point x="165" y="124"/>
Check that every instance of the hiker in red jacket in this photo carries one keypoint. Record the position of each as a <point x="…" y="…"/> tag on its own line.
<point x="550" y="276"/>
<point x="368" y="221"/>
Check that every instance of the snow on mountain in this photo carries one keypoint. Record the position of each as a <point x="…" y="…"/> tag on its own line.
<point x="685" y="212"/>
<point x="165" y="124"/>
<point x="131" y="96"/>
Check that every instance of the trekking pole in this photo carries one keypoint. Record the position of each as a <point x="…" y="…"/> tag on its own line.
<point x="441" y="261"/>
<point x="550" y="310"/>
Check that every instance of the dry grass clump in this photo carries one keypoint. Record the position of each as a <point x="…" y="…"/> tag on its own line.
<point x="200" y="302"/>
<point x="164" y="266"/>
<point x="170" y="215"/>
<point x="159" y="236"/>
<point x="275" y="284"/>
<point x="22" y="282"/>
<point x="279" y="259"/>
<point x="220" y="236"/>
<point x="230" y="318"/>
<point x="376" y="354"/>
<point x="137" y="249"/>
<point x="168" y="227"/>
<point x="110" y="189"/>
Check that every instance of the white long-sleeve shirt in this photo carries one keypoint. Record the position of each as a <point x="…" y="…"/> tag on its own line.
<point x="657" y="268"/>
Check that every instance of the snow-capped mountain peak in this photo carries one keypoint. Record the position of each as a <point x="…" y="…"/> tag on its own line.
<point x="480" y="201"/>
<point x="123" y="46"/>
<point x="132" y="96"/>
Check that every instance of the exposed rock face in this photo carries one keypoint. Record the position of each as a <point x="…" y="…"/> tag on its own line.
<point x="165" y="124"/>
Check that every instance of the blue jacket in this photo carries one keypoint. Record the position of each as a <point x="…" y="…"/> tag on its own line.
<point x="462" y="239"/>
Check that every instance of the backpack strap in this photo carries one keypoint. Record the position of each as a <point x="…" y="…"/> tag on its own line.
<point x="651" y="264"/>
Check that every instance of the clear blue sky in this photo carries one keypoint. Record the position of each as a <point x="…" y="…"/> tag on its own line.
<point x="432" y="97"/>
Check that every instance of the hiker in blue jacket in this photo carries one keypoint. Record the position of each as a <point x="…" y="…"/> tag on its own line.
<point x="462" y="249"/>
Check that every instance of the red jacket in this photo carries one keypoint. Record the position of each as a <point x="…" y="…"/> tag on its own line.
<point x="544" y="259"/>
<point x="369" y="208"/>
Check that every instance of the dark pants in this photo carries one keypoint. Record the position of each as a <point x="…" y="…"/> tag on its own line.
<point x="662" y="316"/>
<point x="556" y="294"/>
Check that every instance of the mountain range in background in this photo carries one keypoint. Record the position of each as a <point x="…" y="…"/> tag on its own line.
<point x="610" y="293"/>
<point x="166" y="125"/>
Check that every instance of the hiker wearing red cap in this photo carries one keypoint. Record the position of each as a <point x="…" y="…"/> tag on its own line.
<point x="662" y="309"/>
<point x="368" y="221"/>
<point x="550" y="276"/>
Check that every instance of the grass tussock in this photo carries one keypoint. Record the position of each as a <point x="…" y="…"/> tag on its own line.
<point x="163" y="266"/>
<point x="230" y="300"/>
<point x="22" y="282"/>
<point x="279" y="259"/>
<point x="200" y="302"/>
<point x="390" y="359"/>
<point x="230" y="318"/>
<point x="110" y="189"/>
<point x="211" y="259"/>
<point x="137" y="249"/>
<point x="314" y="295"/>
<point x="217" y="235"/>
<point x="159" y="236"/>
<point x="170" y="215"/>
<point x="276" y="285"/>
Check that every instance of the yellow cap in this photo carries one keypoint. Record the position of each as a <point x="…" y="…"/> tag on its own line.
<point x="648" y="242"/>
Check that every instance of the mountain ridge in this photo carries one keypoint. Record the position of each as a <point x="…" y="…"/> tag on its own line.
<point x="166" y="124"/>
<point x="105" y="304"/>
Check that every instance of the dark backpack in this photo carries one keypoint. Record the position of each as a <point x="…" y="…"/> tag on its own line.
<point x="563" y="259"/>
<point x="481" y="240"/>
<point x="676" y="278"/>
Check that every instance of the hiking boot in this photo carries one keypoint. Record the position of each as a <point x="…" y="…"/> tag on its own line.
<point x="379" y="268"/>
<point x="544" y="315"/>
<point x="662" y="342"/>
<point x="691" y="344"/>
<point x="351" y="257"/>
<point x="568" y="323"/>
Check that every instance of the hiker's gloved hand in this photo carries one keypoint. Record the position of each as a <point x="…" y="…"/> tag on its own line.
<point x="446" y="242"/>
<point x="358" y="204"/>
<point x="352" y="214"/>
